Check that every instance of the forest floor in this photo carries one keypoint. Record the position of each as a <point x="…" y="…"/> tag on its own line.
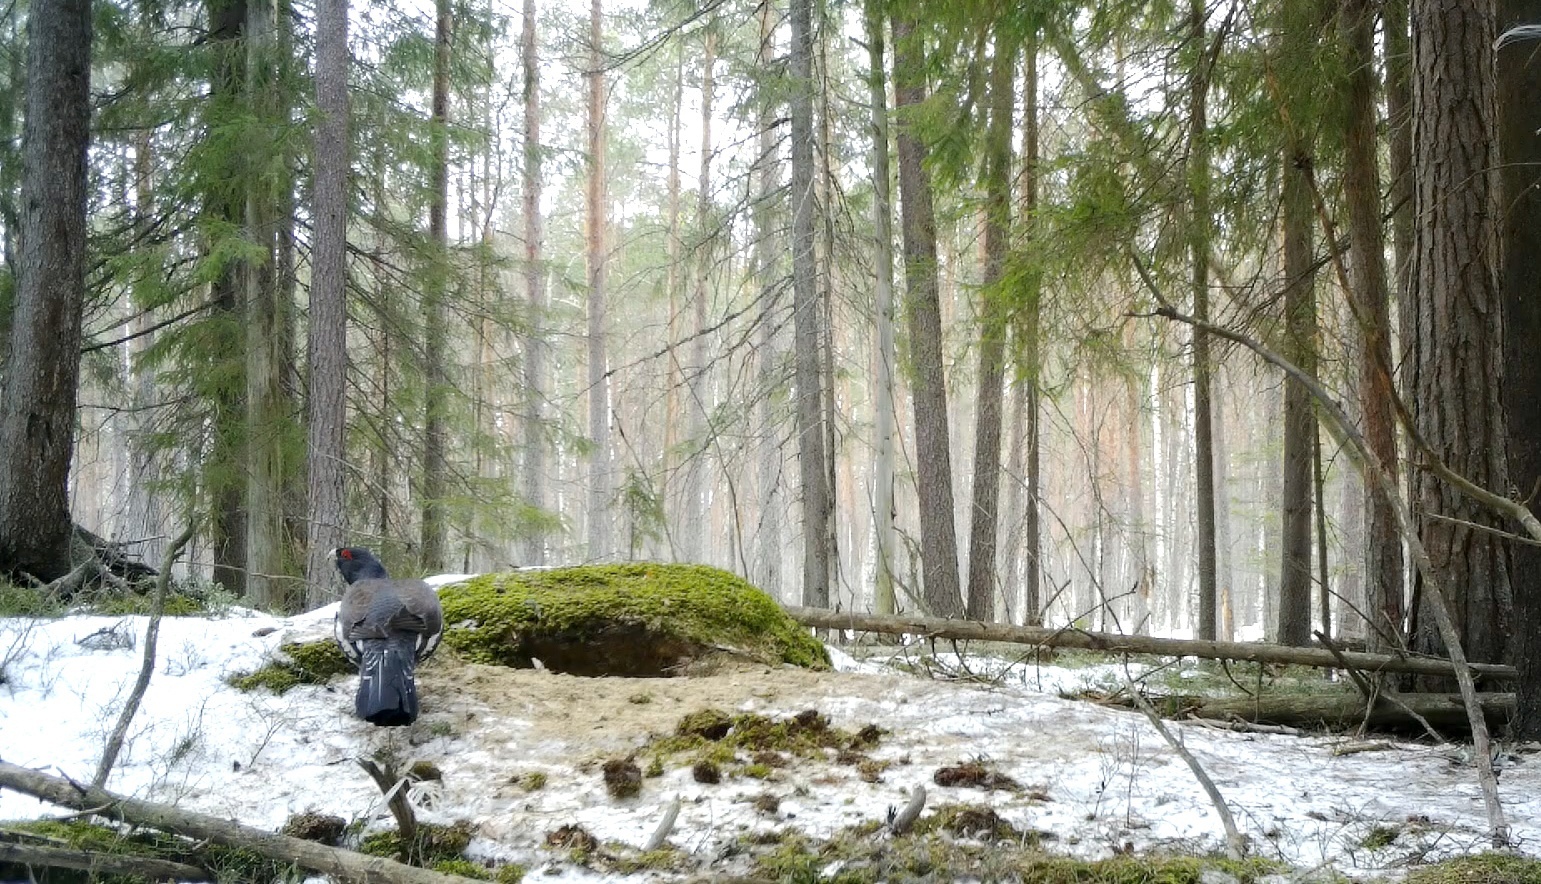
<point x="1007" y="760"/>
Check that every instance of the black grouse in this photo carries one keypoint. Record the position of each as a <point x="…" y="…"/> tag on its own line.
<point x="386" y="626"/>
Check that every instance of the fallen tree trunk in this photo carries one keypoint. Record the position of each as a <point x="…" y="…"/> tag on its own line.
<point x="343" y="865"/>
<point x="1444" y="711"/>
<point x="34" y="856"/>
<point x="1254" y="652"/>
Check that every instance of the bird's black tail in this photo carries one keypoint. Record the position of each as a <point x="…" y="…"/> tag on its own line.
<point x="387" y="690"/>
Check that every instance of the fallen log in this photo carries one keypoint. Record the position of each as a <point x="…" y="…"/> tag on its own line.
<point x="342" y="865"/>
<point x="1253" y="652"/>
<point x="1444" y="711"/>
<point x="35" y="856"/>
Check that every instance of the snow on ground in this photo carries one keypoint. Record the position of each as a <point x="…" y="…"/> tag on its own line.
<point x="1100" y="780"/>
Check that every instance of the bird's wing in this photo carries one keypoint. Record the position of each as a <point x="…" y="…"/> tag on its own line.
<point x="383" y="608"/>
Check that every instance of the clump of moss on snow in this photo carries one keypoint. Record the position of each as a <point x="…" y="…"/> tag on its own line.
<point x="632" y="619"/>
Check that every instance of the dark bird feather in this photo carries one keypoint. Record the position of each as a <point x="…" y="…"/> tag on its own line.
<point x="386" y="626"/>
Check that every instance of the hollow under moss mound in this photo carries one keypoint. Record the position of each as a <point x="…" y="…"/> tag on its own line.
<point x="298" y="663"/>
<point x="643" y="619"/>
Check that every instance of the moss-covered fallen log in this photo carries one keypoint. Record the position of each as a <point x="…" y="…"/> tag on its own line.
<point x="1443" y="711"/>
<point x="1253" y="652"/>
<point x="342" y="865"/>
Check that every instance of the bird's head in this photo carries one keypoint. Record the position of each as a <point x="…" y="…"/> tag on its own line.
<point x="356" y="563"/>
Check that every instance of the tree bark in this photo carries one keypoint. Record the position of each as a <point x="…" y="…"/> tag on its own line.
<point x="597" y="218"/>
<point x="883" y="598"/>
<point x="269" y="409"/>
<point x="37" y="408"/>
<point x="536" y="352"/>
<point x="344" y="865"/>
<point x="767" y="217"/>
<point x="808" y="320"/>
<point x="1371" y="297"/>
<point x="1028" y="332"/>
<point x="1459" y="336"/>
<point x="1442" y="711"/>
<point x="1199" y="247"/>
<point x="922" y="309"/>
<point x="692" y="495"/>
<point x="984" y="515"/>
<point x="327" y="353"/>
<point x="1519" y="155"/>
<point x="1294" y="611"/>
<point x="436" y="392"/>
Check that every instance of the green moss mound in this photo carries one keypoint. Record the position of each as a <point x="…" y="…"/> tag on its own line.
<point x="1486" y="868"/>
<point x="316" y="662"/>
<point x="625" y="620"/>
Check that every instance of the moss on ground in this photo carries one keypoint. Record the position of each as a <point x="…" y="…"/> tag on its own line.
<point x="1486" y="868"/>
<point x="223" y="863"/>
<point x="433" y="845"/>
<point x="632" y="619"/>
<point x="316" y="662"/>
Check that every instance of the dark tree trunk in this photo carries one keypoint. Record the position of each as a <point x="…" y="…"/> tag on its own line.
<point x="435" y="528"/>
<point x="1294" y="611"/>
<point x="224" y="201"/>
<point x="1028" y="333"/>
<point x="1371" y="295"/>
<point x="808" y="320"/>
<point x="1459" y="342"/>
<point x="984" y="514"/>
<point x="1519" y="148"/>
<point x="327" y="354"/>
<point x="37" y="409"/>
<point x="922" y="309"/>
<point x="1199" y="247"/>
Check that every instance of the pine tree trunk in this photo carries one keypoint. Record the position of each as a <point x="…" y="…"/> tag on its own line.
<point x="692" y="501"/>
<point x="268" y="409"/>
<point x="435" y="530"/>
<point x="598" y="385"/>
<point x="984" y="515"/>
<point x="1371" y="296"/>
<point x="1398" y="61"/>
<point x="1519" y="119"/>
<point x="1299" y="220"/>
<point x="536" y="351"/>
<point x="225" y="463"/>
<point x="808" y="319"/>
<point x="1199" y="245"/>
<point x="37" y="408"/>
<point x="1459" y="342"/>
<point x="1028" y="334"/>
<point x="883" y="599"/>
<point x="933" y="449"/>
<point x="767" y="221"/>
<point x="327" y="353"/>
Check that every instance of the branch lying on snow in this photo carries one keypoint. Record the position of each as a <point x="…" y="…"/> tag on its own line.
<point x="394" y="788"/>
<point x="660" y="835"/>
<point x="343" y="865"/>
<point x="1370" y="467"/>
<point x="1235" y="842"/>
<point x="904" y="820"/>
<point x="152" y="633"/>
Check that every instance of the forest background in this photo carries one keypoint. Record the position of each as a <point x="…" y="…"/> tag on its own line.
<point x="978" y="311"/>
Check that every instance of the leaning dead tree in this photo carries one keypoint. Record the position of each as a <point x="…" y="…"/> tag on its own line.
<point x="1115" y="643"/>
<point x="342" y="865"/>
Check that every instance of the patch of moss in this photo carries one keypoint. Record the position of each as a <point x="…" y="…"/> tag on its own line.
<point x="623" y="777"/>
<point x="1379" y="836"/>
<point x="26" y="601"/>
<point x="511" y="873"/>
<point x="627" y="619"/>
<point x="972" y="821"/>
<point x="464" y="868"/>
<point x="316" y="662"/>
<point x="975" y="774"/>
<point x="323" y="828"/>
<point x="1484" y="868"/>
<point x="223" y="863"/>
<point x="177" y="605"/>
<point x="433" y="844"/>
